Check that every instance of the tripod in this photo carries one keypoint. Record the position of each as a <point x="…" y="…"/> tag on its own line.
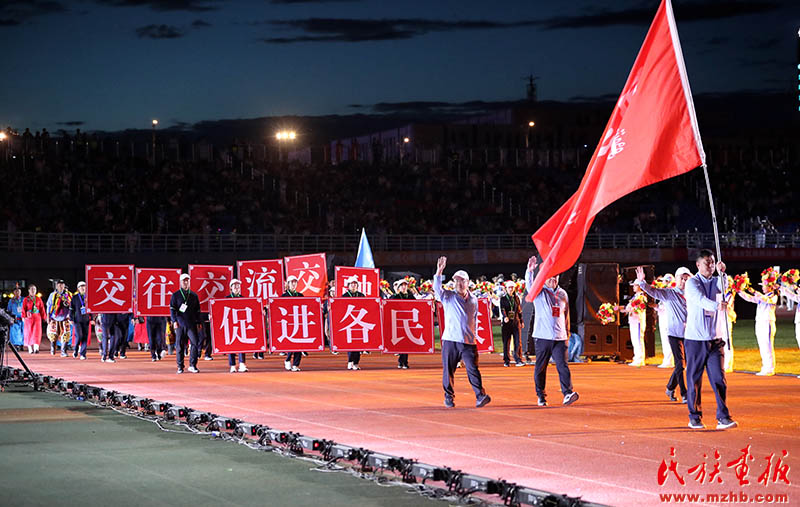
<point x="5" y="344"/>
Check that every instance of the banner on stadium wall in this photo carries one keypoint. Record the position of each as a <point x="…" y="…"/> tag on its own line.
<point x="209" y="282"/>
<point x="407" y="326"/>
<point x="237" y="325"/>
<point x="154" y="288"/>
<point x="369" y="280"/>
<point x="311" y="272"/>
<point x="295" y="324"/>
<point x="356" y="324"/>
<point x="261" y="279"/>
<point x="109" y="288"/>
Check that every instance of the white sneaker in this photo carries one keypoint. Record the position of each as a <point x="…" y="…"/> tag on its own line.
<point x="192" y="369"/>
<point x="163" y="353"/>
<point x="356" y="367"/>
<point x="287" y="365"/>
<point x="295" y="368"/>
<point x="242" y="367"/>
<point x="763" y="373"/>
<point x="350" y="366"/>
<point x="233" y="369"/>
<point x="208" y="358"/>
<point x="636" y="365"/>
<point x="665" y="365"/>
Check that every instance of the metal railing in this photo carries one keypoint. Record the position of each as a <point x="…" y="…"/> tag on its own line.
<point x="298" y="243"/>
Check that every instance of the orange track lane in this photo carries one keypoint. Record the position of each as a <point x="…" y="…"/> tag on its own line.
<point x="606" y="448"/>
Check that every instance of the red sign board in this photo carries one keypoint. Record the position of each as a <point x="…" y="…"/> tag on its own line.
<point x="210" y="282"/>
<point x="407" y="326"/>
<point x="369" y="280"/>
<point x="295" y="324"/>
<point x="261" y="279"/>
<point x="109" y="288"/>
<point x="154" y="288"/>
<point x="237" y="325"/>
<point x="356" y="324"/>
<point x="484" y="337"/>
<point x="311" y="272"/>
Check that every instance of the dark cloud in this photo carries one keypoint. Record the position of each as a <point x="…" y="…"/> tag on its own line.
<point x="289" y="2"/>
<point x="693" y="10"/>
<point x="199" y="23"/>
<point x="72" y="123"/>
<point x="718" y="41"/>
<point x="763" y="44"/>
<point x="15" y="12"/>
<point x="358" y="30"/>
<point x="165" y="5"/>
<point x="158" y="32"/>
<point x="607" y="97"/>
<point x="436" y="107"/>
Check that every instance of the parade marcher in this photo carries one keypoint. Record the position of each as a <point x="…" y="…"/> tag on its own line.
<point x="663" y="325"/>
<point x="458" y="339"/>
<point x="637" y="321"/>
<point x="98" y="332"/>
<point x="791" y="293"/>
<point x="674" y="302"/>
<point x="511" y="313"/>
<point x="33" y="314"/>
<point x="156" y="336"/>
<point x="401" y="292"/>
<point x="236" y="292"/>
<point x="16" y="334"/>
<point x="80" y="318"/>
<point x="767" y="301"/>
<point x="551" y="332"/>
<point x="58" y="305"/>
<point x="704" y="299"/>
<point x="184" y="308"/>
<point x="113" y="333"/>
<point x="353" y="358"/>
<point x="292" y="362"/>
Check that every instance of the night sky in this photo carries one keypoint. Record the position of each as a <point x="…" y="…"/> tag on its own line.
<point x="115" y="64"/>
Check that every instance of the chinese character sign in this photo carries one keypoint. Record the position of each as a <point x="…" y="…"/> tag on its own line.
<point x="484" y="337"/>
<point x="237" y="325"/>
<point x="210" y="282"/>
<point x="109" y="288"/>
<point x="407" y="326"/>
<point x="369" y="280"/>
<point x="154" y="288"/>
<point x="295" y="324"/>
<point x="356" y="324"/>
<point x="311" y="272"/>
<point x="261" y="279"/>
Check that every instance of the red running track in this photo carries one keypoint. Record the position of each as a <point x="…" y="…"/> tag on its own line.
<point x="606" y="448"/>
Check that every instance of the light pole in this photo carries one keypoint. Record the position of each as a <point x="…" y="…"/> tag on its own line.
<point x="406" y="140"/>
<point x="4" y="137"/>
<point x="155" y="122"/>
<point x="284" y="136"/>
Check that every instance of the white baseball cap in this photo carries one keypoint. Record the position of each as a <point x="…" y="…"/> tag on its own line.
<point x="235" y="280"/>
<point x="461" y="274"/>
<point x="398" y="283"/>
<point x="682" y="271"/>
<point x="351" y="279"/>
<point x="185" y="276"/>
<point x="290" y="278"/>
<point x="510" y="283"/>
<point x="81" y="283"/>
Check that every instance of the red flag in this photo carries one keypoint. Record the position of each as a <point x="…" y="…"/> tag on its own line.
<point x="652" y="135"/>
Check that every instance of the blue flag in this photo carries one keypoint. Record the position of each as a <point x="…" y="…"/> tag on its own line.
<point x="364" y="256"/>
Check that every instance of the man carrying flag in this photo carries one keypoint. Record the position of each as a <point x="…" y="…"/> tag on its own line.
<point x="652" y="135"/>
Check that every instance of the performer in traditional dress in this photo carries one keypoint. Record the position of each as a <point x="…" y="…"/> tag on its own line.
<point x="766" y="300"/>
<point x="667" y="282"/>
<point x="33" y="314"/>
<point x="16" y="332"/>
<point x="637" y="321"/>
<point x="80" y="321"/>
<point x="58" y="328"/>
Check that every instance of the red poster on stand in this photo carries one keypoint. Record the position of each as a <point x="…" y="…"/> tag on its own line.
<point x="261" y="279"/>
<point x="407" y="326"/>
<point x="109" y="288"/>
<point x="311" y="272"/>
<point x="369" y="280"/>
<point x="210" y="282"/>
<point x="484" y="337"/>
<point x="356" y="324"/>
<point x="154" y="288"/>
<point x="237" y="325"/>
<point x="295" y="324"/>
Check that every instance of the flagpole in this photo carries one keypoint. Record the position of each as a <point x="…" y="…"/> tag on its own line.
<point x="719" y="252"/>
